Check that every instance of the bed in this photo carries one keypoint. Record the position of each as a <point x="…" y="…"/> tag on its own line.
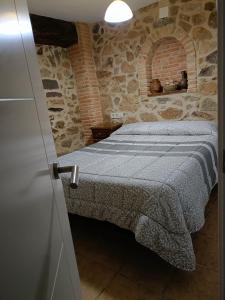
<point x="153" y="179"/>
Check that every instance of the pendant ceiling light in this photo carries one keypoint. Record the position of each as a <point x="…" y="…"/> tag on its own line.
<point x="118" y="11"/>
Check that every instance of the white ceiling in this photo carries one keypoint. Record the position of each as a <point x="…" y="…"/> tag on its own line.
<point x="78" y="10"/>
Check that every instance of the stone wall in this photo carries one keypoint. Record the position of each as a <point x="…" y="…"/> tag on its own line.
<point x="122" y="51"/>
<point x="61" y="96"/>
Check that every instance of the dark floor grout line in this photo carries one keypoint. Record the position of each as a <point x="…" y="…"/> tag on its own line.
<point x="139" y="282"/>
<point x="105" y="288"/>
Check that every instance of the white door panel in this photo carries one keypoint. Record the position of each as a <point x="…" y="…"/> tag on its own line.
<point x="29" y="223"/>
<point x="63" y="284"/>
<point x="12" y="55"/>
<point x="33" y="218"/>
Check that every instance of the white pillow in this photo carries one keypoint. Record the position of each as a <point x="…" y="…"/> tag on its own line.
<point x="168" y="128"/>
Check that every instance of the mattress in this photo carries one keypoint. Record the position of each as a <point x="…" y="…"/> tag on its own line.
<point x="153" y="179"/>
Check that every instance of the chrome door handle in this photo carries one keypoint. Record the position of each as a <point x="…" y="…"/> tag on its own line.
<point x="74" y="170"/>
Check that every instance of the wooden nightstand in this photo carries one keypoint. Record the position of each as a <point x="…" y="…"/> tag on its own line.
<point x="102" y="131"/>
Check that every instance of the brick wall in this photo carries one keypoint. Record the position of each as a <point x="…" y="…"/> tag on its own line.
<point x="168" y="61"/>
<point x="156" y="43"/>
<point x="87" y="84"/>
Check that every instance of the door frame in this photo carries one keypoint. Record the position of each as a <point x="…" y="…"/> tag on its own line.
<point x="221" y="123"/>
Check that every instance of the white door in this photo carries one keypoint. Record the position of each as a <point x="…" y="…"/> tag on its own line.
<point x="37" y="259"/>
<point x="221" y="65"/>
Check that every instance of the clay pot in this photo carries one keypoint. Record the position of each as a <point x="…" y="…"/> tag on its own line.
<point x="155" y="86"/>
<point x="167" y="88"/>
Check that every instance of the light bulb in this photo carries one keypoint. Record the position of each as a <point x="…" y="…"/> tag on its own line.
<point x="118" y="11"/>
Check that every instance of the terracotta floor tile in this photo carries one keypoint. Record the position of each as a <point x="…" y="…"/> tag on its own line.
<point x="122" y="288"/>
<point x="103" y="252"/>
<point x="207" y="252"/>
<point x="94" y="277"/>
<point x="206" y="241"/>
<point x="213" y="202"/>
<point x="211" y="223"/>
<point x="199" y="285"/>
<point x="145" y="267"/>
<point x="113" y="265"/>
<point x="104" y="246"/>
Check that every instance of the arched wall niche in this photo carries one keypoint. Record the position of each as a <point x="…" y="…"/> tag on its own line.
<point x="146" y="70"/>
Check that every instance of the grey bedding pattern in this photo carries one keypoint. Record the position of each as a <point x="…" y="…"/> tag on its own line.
<point x="156" y="185"/>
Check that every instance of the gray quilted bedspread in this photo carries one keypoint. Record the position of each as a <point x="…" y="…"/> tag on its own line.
<point x="156" y="185"/>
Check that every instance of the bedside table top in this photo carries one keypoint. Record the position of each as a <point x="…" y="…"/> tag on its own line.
<point x="107" y="125"/>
